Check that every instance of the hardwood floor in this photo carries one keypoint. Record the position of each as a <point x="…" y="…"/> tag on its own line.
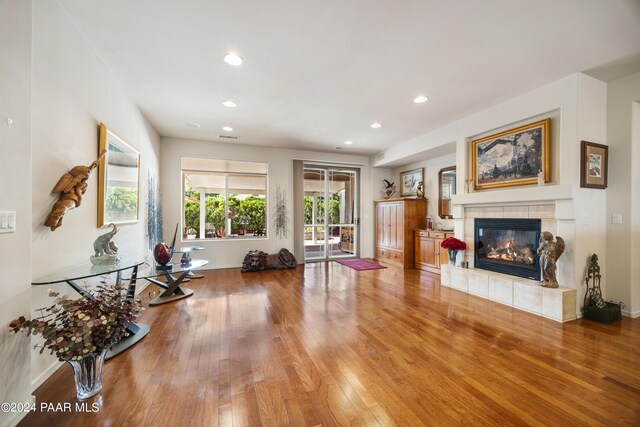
<point x="327" y="345"/>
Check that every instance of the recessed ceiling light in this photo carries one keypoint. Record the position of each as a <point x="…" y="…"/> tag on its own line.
<point x="229" y="104"/>
<point x="420" y="99"/>
<point x="233" y="59"/>
<point x="193" y="125"/>
<point x="376" y="125"/>
<point x="227" y="129"/>
<point x="348" y="142"/>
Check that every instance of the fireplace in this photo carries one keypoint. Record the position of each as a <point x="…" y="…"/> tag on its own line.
<point x="508" y="246"/>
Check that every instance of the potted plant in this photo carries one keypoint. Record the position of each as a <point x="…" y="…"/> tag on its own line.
<point x="80" y="331"/>
<point x="453" y="245"/>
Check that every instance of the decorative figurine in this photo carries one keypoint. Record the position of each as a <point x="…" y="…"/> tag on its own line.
<point x="593" y="296"/>
<point x="595" y="307"/>
<point x="420" y="190"/>
<point x="549" y="252"/>
<point x="540" y="179"/>
<point x="469" y="183"/>
<point x="71" y="187"/>
<point x="390" y="189"/>
<point x="105" y="251"/>
<point x="163" y="253"/>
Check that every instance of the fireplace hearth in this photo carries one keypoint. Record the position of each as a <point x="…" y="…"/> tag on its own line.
<point x="508" y="246"/>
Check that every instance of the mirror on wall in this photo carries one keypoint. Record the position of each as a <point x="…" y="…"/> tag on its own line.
<point x="447" y="188"/>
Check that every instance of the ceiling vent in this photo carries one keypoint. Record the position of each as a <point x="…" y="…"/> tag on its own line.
<point x="339" y="148"/>
<point x="227" y="137"/>
<point x="380" y="156"/>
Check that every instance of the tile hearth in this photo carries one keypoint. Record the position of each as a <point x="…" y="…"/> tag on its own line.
<point x="523" y="294"/>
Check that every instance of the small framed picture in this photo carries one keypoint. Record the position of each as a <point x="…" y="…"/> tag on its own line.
<point x="594" y="165"/>
<point x="409" y="181"/>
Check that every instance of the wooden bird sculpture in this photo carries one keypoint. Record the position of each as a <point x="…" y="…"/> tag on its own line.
<point x="71" y="187"/>
<point x="390" y="189"/>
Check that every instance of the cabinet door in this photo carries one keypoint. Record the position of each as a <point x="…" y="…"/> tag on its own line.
<point x="443" y="256"/>
<point x="429" y="251"/>
<point x="380" y="224"/>
<point x="391" y="224"/>
<point x="399" y="226"/>
<point x="387" y="224"/>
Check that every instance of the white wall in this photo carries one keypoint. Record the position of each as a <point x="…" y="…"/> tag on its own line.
<point x="432" y="168"/>
<point x="229" y="252"/>
<point x="73" y="91"/>
<point x="15" y="187"/>
<point x="623" y="194"/>
<point x="577" y="107"/>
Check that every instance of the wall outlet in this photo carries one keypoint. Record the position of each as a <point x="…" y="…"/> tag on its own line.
<point x="616" y="219"/>
<point x="8" y="222"/>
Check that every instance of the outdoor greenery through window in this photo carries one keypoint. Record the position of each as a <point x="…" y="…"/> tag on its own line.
<point x="224" y="199"/>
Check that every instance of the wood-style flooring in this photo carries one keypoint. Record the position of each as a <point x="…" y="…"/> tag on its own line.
<point x="327" y="345"/>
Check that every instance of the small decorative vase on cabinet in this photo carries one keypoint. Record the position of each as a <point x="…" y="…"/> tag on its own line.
<point x="87" y="372"/>
<point x="452" y="257"/>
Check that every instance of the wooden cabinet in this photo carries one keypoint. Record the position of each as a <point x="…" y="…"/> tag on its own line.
<point x="429" y="255"/>
<point x="395" y="221"/>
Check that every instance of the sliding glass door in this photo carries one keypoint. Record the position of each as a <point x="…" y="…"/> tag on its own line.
<point x="331" y="206"/>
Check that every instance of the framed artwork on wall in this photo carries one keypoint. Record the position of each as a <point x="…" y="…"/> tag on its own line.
<point x="409" y="181"/>
<point x="594" y="165"/>
<point x="513" y="157"/>
<point x="118" y="180"/>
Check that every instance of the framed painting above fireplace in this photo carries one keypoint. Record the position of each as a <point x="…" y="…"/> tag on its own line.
<point x="513" y="157"/>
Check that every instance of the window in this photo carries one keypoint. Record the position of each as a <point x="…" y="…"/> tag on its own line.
<point x="224" y="199"/>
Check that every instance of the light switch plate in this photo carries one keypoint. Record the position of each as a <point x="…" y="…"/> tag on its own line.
<point x="616" y="218"/>
<point x="7" y="222"/>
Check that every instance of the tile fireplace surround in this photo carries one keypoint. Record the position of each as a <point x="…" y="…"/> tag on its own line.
<point x="550" y="204"/>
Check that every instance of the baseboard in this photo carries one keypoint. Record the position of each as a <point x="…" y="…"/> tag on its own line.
<point x="15" y="417"/>
<point x="45" y="375"/>
<point x="631" y="314"/>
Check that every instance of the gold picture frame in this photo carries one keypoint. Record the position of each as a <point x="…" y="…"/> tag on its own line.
<point x="118" y="180"/>
<point x="513" y="157"/>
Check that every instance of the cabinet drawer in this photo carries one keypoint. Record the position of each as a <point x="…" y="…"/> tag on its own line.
<point x="437" y="234"/>
<point x="422" y="233"/>
<point x="384" y="254"/>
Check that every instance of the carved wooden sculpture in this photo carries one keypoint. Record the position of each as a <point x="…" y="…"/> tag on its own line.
<point x="549" y="252"/>
<point x="71" y="187"/>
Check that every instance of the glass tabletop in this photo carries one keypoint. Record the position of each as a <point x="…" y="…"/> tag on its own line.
<point x="152" y="271"/>
<point x="184" y="249"/>
<point x="86" y="270"/>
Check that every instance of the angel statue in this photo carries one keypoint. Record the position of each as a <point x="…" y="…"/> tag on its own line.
<point x="390" y="189"/>
<point x="71" y="187"/>
<point x="549" y="252"/>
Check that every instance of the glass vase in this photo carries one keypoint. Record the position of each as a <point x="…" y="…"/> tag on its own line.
<point x="87" y="373"/>
<point x="452" y="257"/>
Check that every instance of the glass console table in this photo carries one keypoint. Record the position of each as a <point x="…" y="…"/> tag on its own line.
<point x="187" y="250"/>
<point x="136" y="331"/>
<point x="173" y="291"/>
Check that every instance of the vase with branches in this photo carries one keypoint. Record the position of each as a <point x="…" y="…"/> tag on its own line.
<point x="80" y="331"/>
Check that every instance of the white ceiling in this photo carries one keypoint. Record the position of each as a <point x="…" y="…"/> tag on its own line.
<point x="317" y="73"/>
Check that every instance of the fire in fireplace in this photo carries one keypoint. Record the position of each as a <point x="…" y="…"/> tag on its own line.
<point x="508" y="246"/>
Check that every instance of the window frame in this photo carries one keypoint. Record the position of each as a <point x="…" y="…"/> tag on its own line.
<point x="227" y="237"/>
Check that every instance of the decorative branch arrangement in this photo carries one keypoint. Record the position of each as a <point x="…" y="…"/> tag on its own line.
<point x="281" y="217"/>
<point x="154" y="213"/>
<point x="73" y="328"/>
<point x="71" y="186"/>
